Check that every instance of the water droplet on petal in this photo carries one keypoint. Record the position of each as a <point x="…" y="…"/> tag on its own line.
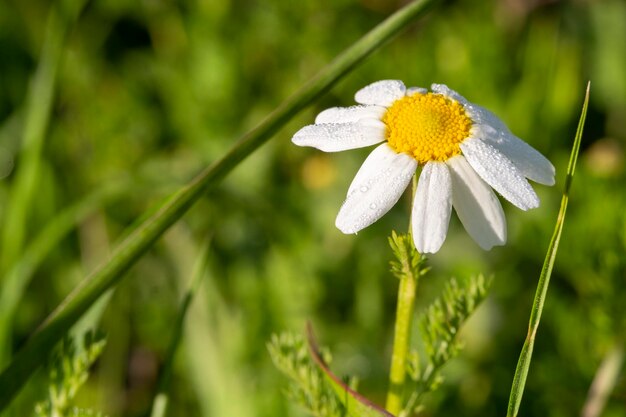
<point x="364" y="189"/>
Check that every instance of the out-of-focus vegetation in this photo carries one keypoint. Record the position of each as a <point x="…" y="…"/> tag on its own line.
<point x="148" y="93"/>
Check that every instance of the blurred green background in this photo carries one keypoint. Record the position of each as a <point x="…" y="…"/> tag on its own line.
<point x="149" y="92"/>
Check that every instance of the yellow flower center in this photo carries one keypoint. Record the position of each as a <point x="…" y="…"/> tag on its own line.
<point x="429" y="127"/>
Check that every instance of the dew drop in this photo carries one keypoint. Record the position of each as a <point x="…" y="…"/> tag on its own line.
<point x="364" y="189"/>
<point x="373" y="206"/>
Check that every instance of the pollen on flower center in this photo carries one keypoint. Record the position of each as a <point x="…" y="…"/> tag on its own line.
<point x="429" y="127"/>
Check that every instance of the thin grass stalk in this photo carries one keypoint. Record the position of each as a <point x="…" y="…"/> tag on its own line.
<point x="159" y="405"/>
<point x="19" y="275"/>
<point x="604" y="381"/>
<point x="30" y="357"/>
<point x="40" y="97"/>
<point x="37" y="116"/>
<point x="523" y="364"/>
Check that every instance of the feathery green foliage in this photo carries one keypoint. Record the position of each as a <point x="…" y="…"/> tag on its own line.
<point x="439" y="328"/>
<point x="69" y="369"/>
<point x="444" y="317"/>
<point x="308" y="386"/>
<point x="407" y="262"/>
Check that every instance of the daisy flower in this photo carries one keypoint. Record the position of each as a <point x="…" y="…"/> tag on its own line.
<point x="464" y="151"/>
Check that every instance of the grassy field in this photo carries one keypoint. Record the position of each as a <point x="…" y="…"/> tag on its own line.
<point x="109" y="107"/>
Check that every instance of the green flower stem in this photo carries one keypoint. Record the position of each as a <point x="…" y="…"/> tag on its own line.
<point x="30" y="357"/>
<point x="402" y="330"/>
<point x="401" y="340"/>
<point x="523" y="364"/>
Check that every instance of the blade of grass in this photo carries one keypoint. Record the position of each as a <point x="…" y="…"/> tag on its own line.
<point x="523" y="364"/>
<point x="159" y="405"/>
<point x="604" y="381"/>
<point x="213" y="335"/>
<point x="17" y="278"/>
<point x="38" y="107"/>
<point x="67" y="313"/>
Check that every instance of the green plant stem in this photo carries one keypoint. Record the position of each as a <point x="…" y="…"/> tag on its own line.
<point x="402" y="338"/>
<point x="402" y="329"/>
<point x="30" y="357"/>
<point x="523" y="364"/>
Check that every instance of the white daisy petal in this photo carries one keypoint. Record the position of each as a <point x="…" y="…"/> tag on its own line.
<point x="476" y="205"/>
<point x="381" y="93"/>
<point x="332" y="137"/>
<point x="414" y="90"/>
<point x="350" y="114"/>
<point x="481" y="115"/>
<point x="382" y="156"/>
<point x="499" y="172"/>
<point x="376" y="188"/>
<point x="432" y="207"/>
<point x="532" y="164"/>
<point x="448" y="92"/>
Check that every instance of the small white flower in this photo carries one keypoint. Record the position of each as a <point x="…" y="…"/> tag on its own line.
<point x="464" y="151"/>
